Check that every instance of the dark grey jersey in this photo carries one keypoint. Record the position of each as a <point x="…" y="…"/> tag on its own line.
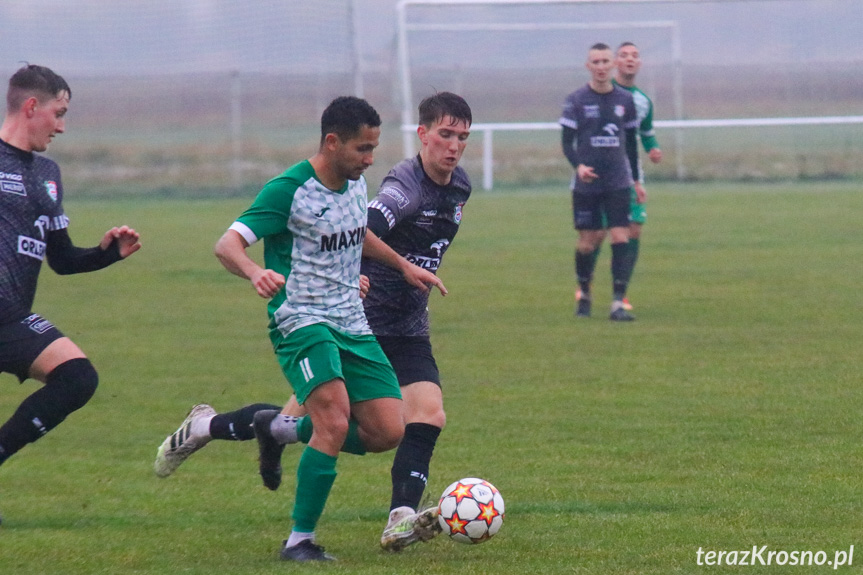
<point x="601" y="121"/>
<point x="422" y="219"/>
<point x="31" y="205"/>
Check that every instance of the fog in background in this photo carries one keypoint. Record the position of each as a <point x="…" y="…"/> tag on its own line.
<point x="110" y="36"/>
<point x="204" y="90"/>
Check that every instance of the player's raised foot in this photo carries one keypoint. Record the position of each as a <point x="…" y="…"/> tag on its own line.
<point x="178" y="446"/>
<point x="269" y="449"/>
<point x="305" y="550"/>
<point x="406" y="527"/>
<point x="626" y="305"/>
<point x="582" y="304"/>
<point x="619" y="313"/>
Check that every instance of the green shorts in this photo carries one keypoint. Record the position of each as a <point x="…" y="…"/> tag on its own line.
<point x="637" y="212"/>
<point x="316" y="354"/>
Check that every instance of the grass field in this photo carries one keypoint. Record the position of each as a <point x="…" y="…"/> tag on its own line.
<point x="727" y="416"/>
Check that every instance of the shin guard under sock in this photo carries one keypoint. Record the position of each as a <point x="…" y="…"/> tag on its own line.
<point x="411" y="464"/>
<point x="67" y="388"/>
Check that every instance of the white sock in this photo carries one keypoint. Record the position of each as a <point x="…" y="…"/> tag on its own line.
<point x="201" y="427"/>
<point x="284" y="428"/>
<point x="298" y="537"/>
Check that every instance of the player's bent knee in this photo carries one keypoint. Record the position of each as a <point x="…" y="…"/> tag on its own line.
<point x="386" y="438"/>
<point x="75" y="381"/>
<point x="436" y="418"/>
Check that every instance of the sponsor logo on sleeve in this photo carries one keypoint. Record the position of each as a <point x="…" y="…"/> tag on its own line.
<point x="37" y="323"/>
<point x="396" y="194"/>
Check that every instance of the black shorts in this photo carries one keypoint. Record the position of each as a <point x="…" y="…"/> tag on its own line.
<point x="411" y="357"/>
<point x="22" y="341"/>
<point x="596" y="211"/>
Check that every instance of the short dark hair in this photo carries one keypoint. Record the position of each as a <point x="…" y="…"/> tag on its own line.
<point x="33" y="80"/>
<point x="440" y="104"/>
<point x="625" y="44"/>
<point x="345" y="117"/>
<point x="600" y="46"/>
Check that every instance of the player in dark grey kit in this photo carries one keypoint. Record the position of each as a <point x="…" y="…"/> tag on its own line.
<point x="417" y="213"/>
<point x="33" y="227"/>
<point x="600" y="141"/>
<point x="411" y="223"/>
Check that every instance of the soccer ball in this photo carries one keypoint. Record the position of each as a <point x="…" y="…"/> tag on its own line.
<point x="471" y="510"/>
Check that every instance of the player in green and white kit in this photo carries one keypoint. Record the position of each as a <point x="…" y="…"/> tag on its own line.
<point x="627" y="61"/>
<point x="312" y="219"/>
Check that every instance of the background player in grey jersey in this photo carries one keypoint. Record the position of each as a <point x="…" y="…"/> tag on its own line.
<point x="627" y="62"/>
<point x="416" y="212"/>
<point x="33" y="226"/>
<point x="599" y="140"/>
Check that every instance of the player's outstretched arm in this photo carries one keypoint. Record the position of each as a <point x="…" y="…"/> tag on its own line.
<point x="231" y="252"/>
<point x="65" y="258"/>
<point x="376" y="249"/>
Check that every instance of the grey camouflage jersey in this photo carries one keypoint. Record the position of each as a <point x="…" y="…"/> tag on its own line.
<point x="31" y="205"/>
<point x="423" y="218"/>
<point x="601" y="121"/>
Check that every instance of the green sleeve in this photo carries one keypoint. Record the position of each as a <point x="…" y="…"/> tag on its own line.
<point x="649" y="142"/>
<point x="269" y="213"/>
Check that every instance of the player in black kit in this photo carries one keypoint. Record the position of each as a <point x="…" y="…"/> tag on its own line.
<point x="411" y="223"/>
<point x="600" y="141"/>
<point x="33" y="227"/>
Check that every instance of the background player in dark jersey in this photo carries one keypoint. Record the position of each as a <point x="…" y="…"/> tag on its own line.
<point x="412" y="221"/>
<point x="33" y="226"/>
<point x="599" y="140"/>
<point x="627" y="62"/>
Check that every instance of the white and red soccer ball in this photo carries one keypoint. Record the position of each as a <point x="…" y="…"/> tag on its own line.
<point x="471" y="510"/>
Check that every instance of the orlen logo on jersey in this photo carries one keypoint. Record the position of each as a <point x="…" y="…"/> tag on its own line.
<point x="610" y="141"/>
<point x="342" y="240"/>
<point x="30" y="247"/>
<point x="431" y="264"/>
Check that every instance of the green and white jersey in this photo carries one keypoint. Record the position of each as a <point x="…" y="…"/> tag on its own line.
<point x="314" y="237"/>
<point x="644" y="113"/>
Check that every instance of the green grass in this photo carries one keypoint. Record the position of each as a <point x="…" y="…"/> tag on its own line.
<point x="727" y="416"/>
